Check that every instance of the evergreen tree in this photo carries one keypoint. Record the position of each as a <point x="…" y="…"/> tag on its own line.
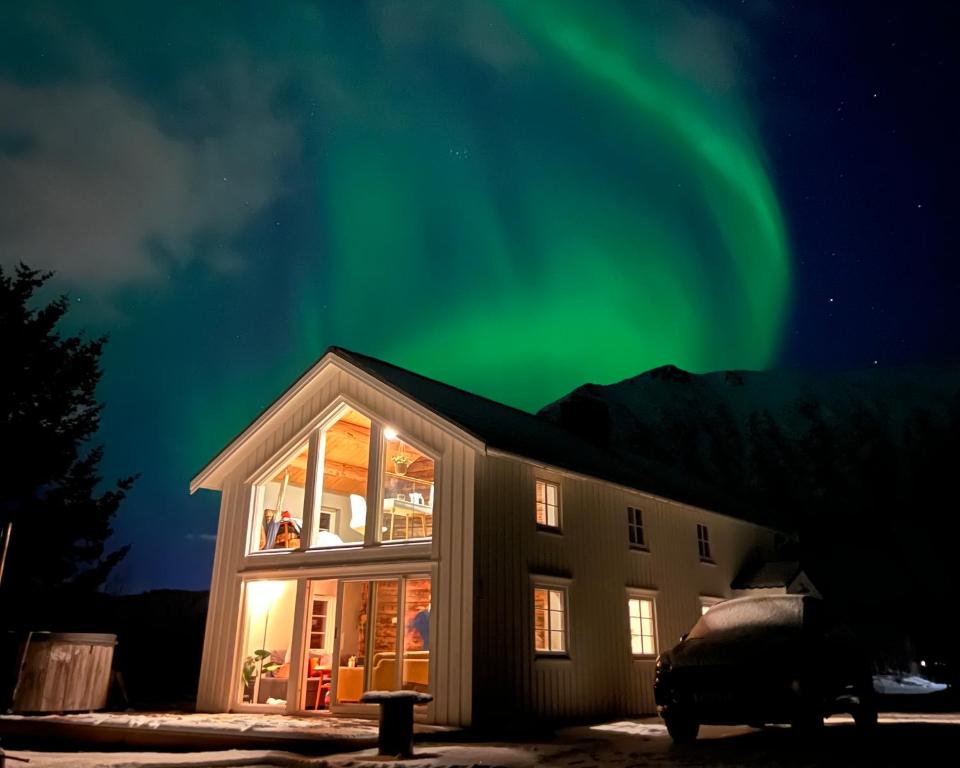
<point x="57" y="521"/>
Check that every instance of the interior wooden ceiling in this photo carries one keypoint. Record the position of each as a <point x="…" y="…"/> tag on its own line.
<point x="346" y="456"/>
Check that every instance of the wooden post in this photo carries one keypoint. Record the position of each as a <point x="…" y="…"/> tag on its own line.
<point x="395" y="736"/>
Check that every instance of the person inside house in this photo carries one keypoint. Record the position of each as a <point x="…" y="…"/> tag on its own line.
<point x="420" y="624"/>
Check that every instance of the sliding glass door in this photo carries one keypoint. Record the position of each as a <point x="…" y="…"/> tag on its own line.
<point x="384" y="636"/>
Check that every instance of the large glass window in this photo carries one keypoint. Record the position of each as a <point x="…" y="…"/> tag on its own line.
<point x="377" y="651"/>
<point x="279" y="505"/>
<point x="266" y="640"/>
<point x="341" y="512"/>
<point x="408" y="478"/>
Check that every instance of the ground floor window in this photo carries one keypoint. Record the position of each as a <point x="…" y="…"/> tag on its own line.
<point x="643" y="629"/>
<point x="385" y="637"/>
<point x="549" y="619"/>
<point x="265" y="641"/>
<point x="358" y="635"/>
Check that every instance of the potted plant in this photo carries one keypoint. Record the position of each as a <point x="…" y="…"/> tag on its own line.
<point x="253" y="668"/>
<point x="400" y="463"/>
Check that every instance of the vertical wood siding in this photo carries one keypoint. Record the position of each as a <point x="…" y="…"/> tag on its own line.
<point x="601" y="677"/>
<point x="451" y="556"/>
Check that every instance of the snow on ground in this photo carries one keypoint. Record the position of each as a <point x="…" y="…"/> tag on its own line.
<point x="307" y="727"/>
<point x="900" y="740"/>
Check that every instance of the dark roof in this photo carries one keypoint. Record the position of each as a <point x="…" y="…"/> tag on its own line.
<point x="523" y="434"/>
<point x="766" y="575"/>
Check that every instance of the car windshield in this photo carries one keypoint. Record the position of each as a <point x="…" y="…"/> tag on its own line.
<point x="780" y="612"/>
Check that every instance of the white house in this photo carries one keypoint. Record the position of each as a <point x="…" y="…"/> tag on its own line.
<point x="382" y="530"/>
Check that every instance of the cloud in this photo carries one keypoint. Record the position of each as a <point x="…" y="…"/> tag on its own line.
<point x="106" y="189"/>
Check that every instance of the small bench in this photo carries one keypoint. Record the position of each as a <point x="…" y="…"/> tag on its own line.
<point x="395" y="737"/>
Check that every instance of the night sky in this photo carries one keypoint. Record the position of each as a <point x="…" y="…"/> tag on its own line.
<point x="512" y="196"/>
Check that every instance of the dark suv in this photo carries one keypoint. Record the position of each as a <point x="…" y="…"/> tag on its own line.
<point x="759" y="660"/>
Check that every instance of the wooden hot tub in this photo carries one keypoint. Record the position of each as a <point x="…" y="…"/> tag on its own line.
<point x="64" y="672"/>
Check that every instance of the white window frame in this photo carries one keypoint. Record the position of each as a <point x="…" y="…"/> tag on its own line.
<point x="635" y="524"/>
<point x="551" y="584"/>
<point x="431" y="454"/>
<point x="650" y="596"/>
<point x="255" y="513"/>
<point x="313" y="436"/>
<point x="703" y="543"/>
<point x="547" y="526"/>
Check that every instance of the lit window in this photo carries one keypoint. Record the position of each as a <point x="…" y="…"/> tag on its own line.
<point x="643" y="634"/>
<point x="549" y="620"/>
<point x="548" y="504"/>
<point x="340" y="518"/>
<point x="703" y="543"/>
<point x="408" y="484"/>
<point x="635" y="528"/>
<point x="279" y="505"/>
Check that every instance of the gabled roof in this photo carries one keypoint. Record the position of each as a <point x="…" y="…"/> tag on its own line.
<point x="510" y="430"/>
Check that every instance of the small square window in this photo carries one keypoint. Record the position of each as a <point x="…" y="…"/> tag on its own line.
<point x="635" y="531"/>
<point x="548" y="504"/>
<point x="643" y="628"/>
<point x="549" y="620"/>
<point x="703" y="543"/>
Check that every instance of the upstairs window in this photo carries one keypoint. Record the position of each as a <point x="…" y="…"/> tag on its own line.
<point x="548" y="504"/>
<point x="549" y="620"/>
<point x="703" y="543"/>
<point x="340" y="516"/>
<point x="635" y="528"/>
<point x="408" y="481"/>
<point x="279" y="505"/>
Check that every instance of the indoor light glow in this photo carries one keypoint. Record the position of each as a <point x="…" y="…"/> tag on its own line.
<point x="261" y="595"/>
<point x="390" y="433"/>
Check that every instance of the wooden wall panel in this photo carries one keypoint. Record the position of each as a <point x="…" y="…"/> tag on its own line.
<point x="601" y="677"/>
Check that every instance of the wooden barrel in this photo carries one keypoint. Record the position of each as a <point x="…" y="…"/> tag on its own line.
<point x="64" y="672"/>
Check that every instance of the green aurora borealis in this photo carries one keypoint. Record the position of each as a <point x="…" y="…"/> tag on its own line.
<point x="602" y="215"/>
<point x="514" y="197"/>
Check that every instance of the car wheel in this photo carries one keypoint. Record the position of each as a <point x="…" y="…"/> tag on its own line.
<point x="682" y="728"/>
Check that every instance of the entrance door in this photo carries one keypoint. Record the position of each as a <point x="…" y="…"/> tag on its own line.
<point x="383" y="637"/>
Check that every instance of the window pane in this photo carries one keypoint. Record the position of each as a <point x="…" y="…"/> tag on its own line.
<point x="416" y="640"/>
<point x="556" y="620"/>
<point x="540" y="619"/>
<point x="408" y="483"/>
<point x="646" y="608"/>
<point x="633" y="607"/>
<point x="541" y="492"/>
<point x="540" y="598"/>
<point x="541" y="513"/>
<point x="540" y="640"/>
<point x="280" y="505"/>
<point x="551" y="494"/>
<point x="557" y="641"/>
<point x="342" y="508"/>
<point x="556" y="600"/>
<point x="267" y="632"/>
<point x="648" y="646"/>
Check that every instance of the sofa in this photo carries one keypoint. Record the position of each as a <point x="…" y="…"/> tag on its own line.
<point x="416" y="670"/>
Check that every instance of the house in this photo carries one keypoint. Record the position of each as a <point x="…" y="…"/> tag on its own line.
<point x="773" y="578"/>
<point x="382" y="530"/>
